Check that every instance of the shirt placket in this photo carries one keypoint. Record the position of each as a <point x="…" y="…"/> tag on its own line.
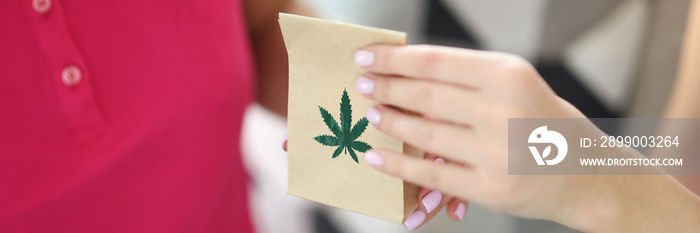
<point x="68" y="70"/>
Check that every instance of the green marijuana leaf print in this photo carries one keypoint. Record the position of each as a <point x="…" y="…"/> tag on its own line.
<point x="344" y="137"/>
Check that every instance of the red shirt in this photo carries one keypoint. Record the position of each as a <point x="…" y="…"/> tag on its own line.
<point x="122" y="116"/>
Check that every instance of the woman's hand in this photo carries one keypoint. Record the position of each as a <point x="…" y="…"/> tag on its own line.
<point x="431" y="201"/>
<point x="467" y="97"/>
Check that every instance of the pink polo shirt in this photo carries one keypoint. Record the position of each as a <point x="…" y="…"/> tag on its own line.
<point x="122" y="116"/>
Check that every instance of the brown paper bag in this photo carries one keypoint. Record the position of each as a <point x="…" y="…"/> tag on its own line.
<point x="325" y="110"/>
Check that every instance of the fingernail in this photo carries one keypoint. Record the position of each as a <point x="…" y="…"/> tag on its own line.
<point x="364" y="85"/>
<point x="374" y="115"/>
<point x="373" y="158"/>
<point x="284" y="140"/>
<point x="439" y="160"/>
<point x="460" y="210"/>
<point x="364" y="58"/>
<point x="414" y="220"/>
<point x="432" y="200"/>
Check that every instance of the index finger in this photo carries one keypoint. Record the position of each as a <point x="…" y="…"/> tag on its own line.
<point x="438" y="63"/>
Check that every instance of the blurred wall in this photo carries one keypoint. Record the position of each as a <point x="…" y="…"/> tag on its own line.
<point x="659" y="63"/>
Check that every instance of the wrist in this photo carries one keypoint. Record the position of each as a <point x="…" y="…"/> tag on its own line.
<point x="652" y="203"/>
<point x="591" y="207"/>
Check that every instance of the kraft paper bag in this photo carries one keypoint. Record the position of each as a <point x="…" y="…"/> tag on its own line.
<point x="328" y="131"/>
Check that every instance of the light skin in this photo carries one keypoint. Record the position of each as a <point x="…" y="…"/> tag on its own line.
<point x="469" y="96"/>
<point x="685" y="99"/>
<point x="430" y="204"/>
<point x="271" y="62"/>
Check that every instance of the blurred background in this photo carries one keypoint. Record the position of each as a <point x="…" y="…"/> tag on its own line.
<point x="609" y="58"/>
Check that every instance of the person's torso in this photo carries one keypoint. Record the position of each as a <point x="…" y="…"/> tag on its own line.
<point x="122" y="116"/>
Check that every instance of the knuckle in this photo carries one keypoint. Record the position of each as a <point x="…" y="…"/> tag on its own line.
<point x="391" y="59"/>
<point x="395" y="166"/>
<point x="433" y="179"/>
<point x="429" y="60"/>
<point x="515" y="71"/>
<point x="423" y="95"/>
<point x="386" y="125"/>
<point x="403" y="170"/>
<point x="511" y="62"/>
<point x="383" y="58"/>
<point x="382" y="89"/>
<point x="425" y="137"/>
<point x="392" y="124"/>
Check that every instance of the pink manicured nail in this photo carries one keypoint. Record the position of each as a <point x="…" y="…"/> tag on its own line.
<point x="432" y="200"/>
<point x="414" y="220"/>
<point x="364" y="85"/>
<point x="284" y="140"/>
<point x="460" y="211"/>
<point x="373" y="158"/>
<point x="374" y="115"/>
<point x="364" y="58"/>
<point x="439" y="160"/>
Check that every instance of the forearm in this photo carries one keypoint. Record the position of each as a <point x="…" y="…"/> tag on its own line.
<point x="627" y="203"/>
<point x="683" y="102"/>
<point x="654" y="203"/>
<point x="270" y="52"/>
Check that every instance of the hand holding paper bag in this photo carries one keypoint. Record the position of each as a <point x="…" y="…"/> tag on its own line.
<point x="328" y="133"/>
<point x="467" y="97"/>
<point x="470" y="96"/>
<point x="321" y="69"/>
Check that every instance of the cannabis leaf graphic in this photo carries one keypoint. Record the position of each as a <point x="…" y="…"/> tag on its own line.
<point x="344" y="137"/>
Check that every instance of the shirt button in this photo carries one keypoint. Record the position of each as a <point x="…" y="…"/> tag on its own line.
<point x="71" y="75"/>
<point x="41" y="6"/>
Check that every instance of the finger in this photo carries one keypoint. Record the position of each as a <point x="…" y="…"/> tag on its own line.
<point x="415" y="220"/>
<point x="433" y="157"/>
<point x="284" y="143"/>
<point x="430" y="199"/>
<point x="440" y="160"/>
<point x="419" y="217"/>
<point x="449" y="179"/>
<point x="456" y="209"/>
<point x="451" y="65"/>
<point x="454" y="142"/>
<point x="445" y="102"/>
<point x="431" y="118"/>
